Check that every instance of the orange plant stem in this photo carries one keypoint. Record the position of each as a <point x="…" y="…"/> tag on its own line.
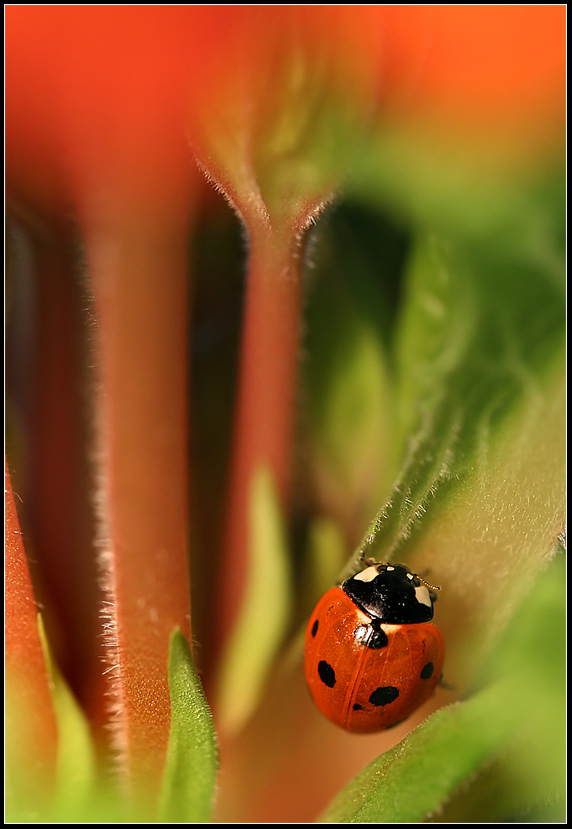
<point x="31" y="737"/>
<point x="265" y="411"/>
<point x="139" y="276"/>
<point x="58" y="515"/>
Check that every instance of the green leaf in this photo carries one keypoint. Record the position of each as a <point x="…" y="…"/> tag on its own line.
<point x="512" y="733"/>
<point x="479" y="360"/>
<point x="527" y="781"/>
<point x="265" y="613"/>
<point x="325" y="555"/>
<point x="479" y="499"/>
<point x="76" y="767"/>
<point x="479" y="336"/>
<point x="188" y="788"/>
<point x="349" y="410"/>
<point x="455" y="189"/>
<point x="75" y="762"/>
<point x="348" y="387"/>
<point x="190" y="773"/>
<point x="410" y="781"/>
<point x="80" y="794"/>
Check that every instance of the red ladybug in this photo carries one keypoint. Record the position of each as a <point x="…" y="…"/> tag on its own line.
<point x="372" y="656"/>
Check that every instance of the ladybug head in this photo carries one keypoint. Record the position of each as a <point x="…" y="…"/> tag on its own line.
<point x="392" y="594"/>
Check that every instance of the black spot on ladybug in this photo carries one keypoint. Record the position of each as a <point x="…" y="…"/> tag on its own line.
<point x="383" y="696"/>
<point x="427" y="671"/>
<point x="357" y="706"/>
<point x="315" y="628"/>
<point x="327" y="673"/>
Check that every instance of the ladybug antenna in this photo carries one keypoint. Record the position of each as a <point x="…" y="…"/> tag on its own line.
<point x="367" y="560"/>
<point x="426" y="583"/>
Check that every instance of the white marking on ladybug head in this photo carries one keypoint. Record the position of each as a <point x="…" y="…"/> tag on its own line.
<point x="367" y="575"/>
<point x="423" y="596"/>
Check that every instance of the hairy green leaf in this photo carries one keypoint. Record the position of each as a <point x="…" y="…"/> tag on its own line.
<point x="480" y="496"/>
<point x="477" y="339"/>
<point x="192" y="758"/>
<point x="410" y="781"/>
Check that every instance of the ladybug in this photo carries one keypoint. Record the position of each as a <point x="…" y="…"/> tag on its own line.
<point x="372" y="655"/>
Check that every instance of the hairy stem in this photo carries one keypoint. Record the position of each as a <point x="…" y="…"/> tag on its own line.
<point x="265" y="411"/>
<point x="139" y="277"/>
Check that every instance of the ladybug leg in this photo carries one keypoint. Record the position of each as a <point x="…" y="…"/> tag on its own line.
<point x="445" y="685"/>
